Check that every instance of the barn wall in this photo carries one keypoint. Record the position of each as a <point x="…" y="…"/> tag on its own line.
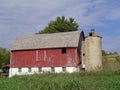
<point x="35" y="70"/>
<point x="44" y="58"/>
<point x="79" y="49"/>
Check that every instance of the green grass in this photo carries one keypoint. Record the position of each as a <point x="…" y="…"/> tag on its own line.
<point x="63" y="81"/>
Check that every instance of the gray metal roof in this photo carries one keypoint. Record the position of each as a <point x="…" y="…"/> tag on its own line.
<point x="54" y="40"/>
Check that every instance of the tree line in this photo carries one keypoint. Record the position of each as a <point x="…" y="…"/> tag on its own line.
<point x="4" y="57"/>
<point x="105" y="53"/>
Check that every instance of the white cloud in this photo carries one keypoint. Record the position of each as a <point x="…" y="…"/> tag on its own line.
<point x="19" y="17"/>
<point x="111" y="44"/>
<point x="89" y="12"/>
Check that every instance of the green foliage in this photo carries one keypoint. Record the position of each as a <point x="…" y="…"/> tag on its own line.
<point x="113" y="53"/>
<point x="4" y="57"/>
<point x="104" y="53"/>
<point x="61" y="24"/>
<point x="118" y="59"/>
<point x="63" y="81"/>
<point x="111" y="62"/>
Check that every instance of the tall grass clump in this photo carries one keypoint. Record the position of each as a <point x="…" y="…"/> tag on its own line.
<point x="63" y="81"/>
<point x="111" y="63"/>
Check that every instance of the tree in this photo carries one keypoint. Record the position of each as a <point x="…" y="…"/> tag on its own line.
<point x="4" y="57"/>
<point x="61" y="24"/>
<point x="104" y="53"/>
<point x="113" y="53"/>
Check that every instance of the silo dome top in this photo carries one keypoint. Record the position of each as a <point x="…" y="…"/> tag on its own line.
<point x="93" y="34"/>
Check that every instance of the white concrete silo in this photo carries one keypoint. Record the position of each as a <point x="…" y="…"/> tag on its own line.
<point x="93" y="52"/>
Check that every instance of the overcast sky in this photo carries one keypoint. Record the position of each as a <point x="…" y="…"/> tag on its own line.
<point x="23" y="17"/>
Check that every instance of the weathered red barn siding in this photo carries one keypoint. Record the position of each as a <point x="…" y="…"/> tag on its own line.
<point x="44" y="58"/>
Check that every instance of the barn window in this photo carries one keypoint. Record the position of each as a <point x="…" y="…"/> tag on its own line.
<point x="64" y="69"/>
<point x="63" y="50"/>
<point x="29" y="69"/>
<point x="19" y="69"/>
<point x="52" y="69"/>
<point x="39" y="69"/>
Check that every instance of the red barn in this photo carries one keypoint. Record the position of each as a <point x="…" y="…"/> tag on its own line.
<point x="57" y="52"/>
